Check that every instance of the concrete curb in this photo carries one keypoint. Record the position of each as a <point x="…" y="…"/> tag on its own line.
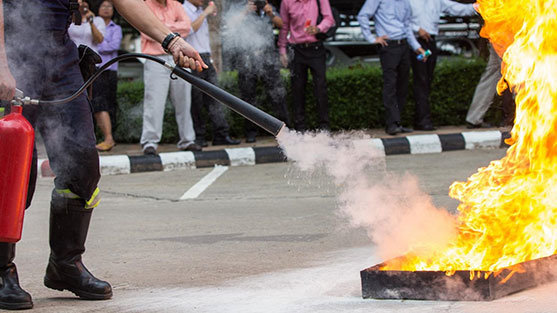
<point x="412" y="144"/>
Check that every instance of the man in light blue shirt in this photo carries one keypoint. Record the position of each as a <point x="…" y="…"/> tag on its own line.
<point x="199" y="39"/>
<point x="394" y="34"/>
<point x="425" y="25"/>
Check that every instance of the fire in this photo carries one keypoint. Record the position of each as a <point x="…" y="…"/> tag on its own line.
<point x="508" y="210"/>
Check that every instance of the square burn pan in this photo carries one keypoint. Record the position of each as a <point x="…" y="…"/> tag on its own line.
<point x="436" y="285"/>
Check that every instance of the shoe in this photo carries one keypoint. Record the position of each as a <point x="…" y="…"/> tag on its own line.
<point x="72" y="275"/>
<point x="393" y="130"/>
<point x="105" y="146"/>
<point x="201" y="142"/>
<point x="426" y="128"/>
<point x="480" y="125"/>
<point x="405" y="129"/>
<point x="192" y="147"/>
<point x="69" y="224"/>
<point x="225" y="141"/>
<point x="12" y="296"/>
<point x="150" y="150"/>
<point x="250" y="139"/>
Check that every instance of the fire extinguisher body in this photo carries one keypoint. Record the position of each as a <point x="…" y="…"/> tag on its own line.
<point x="16" y="151"/>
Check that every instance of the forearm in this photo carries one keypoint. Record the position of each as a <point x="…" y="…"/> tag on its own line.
<point x="328" y="20"/>
<point x="97" y="35"/>
<point x="277" y="21"/>
<point x="364" y="26"/>
<point x="7" y="81"/>
<point x="111" y="44"/>
<point x="3" y="58"/>
<point x="198" y="22"/>
<point x="140" y="16"/>
<point x="285" y="29"/>
<point x="283" y="39"/>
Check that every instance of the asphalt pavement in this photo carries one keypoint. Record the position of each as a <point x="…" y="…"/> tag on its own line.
<point x="261" y="238"/>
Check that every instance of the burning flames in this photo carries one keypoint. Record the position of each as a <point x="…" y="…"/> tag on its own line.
<point x="508" y="210"/>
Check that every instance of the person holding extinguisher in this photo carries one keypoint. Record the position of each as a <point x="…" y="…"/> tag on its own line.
<point x="38" y="55"/>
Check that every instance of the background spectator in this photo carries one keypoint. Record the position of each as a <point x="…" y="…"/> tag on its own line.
<point x="300" y="22"/>
<point x="86" y="29"/>
<point x="425" y="24"/>
<point x="485" y="92"/>
<point x="392" y="25"/>
<point x="251" y="42"/>
<point x="199" y="39"/>
<point x="104" y="97"/>
<point x="158" y="83"/>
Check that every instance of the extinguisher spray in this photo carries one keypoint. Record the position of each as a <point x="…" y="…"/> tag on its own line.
<point x="16" y="151"/>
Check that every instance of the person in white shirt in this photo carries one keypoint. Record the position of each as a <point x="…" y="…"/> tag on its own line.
<point x="425" y="25"/>
<point x="89" y="30"/>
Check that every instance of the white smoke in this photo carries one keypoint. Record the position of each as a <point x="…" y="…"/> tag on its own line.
<point x="248" y="38"/>
<point x="398" y="216"/>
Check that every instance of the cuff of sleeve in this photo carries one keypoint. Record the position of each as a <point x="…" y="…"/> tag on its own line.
<point x="416" y="47"/>
<point x="282" y="50"/>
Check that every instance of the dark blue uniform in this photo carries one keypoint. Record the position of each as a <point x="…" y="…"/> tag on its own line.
<point x="44" y="62"/>
<point x="45" y="65"/>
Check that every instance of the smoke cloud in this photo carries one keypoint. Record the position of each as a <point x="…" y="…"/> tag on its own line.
<point x="248" y="39"/>
<point x="398" y="216"/>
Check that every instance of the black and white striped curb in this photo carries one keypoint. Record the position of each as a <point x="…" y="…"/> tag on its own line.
<point x="413" y="144"/>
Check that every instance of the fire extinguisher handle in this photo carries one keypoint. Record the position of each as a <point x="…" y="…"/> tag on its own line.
<point x="19" y="94"/>
<point x="21" y="99"/>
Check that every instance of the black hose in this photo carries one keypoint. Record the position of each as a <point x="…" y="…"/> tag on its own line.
<point x="257" y="116"/>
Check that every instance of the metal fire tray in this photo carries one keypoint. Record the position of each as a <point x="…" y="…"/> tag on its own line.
<point x="436" y="285"/>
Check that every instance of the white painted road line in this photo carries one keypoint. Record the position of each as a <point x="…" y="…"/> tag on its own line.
<point x="204" y="183"/>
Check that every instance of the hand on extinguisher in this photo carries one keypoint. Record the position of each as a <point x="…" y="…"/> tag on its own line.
<point x="7" y="83"/>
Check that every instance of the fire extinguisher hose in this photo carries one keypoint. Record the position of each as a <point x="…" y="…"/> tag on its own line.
<point x="257" y="116"/>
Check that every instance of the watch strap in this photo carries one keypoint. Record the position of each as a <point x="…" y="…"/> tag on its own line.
<point x="167" y="40"/>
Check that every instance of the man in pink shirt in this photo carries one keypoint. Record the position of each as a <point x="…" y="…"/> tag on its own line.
<point x="158" y="83"/>
<point x="300" y="21"/>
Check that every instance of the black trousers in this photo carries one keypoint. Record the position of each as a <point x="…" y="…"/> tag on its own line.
<point x="200" y="100"/>
<point x="266" y="70"/>
<point x="313" y="58"/>
<point x="395" y="63"/>
<point x="423" y="77"/>
<point x="104" y="95"/>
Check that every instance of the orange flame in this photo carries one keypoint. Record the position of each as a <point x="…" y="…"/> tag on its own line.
<point x="508" y="210"/>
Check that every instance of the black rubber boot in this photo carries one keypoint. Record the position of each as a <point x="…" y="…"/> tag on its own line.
<point x="69" y="223"/>
<point x="12" y="297"/>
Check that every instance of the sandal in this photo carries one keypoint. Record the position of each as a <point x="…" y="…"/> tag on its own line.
<point x="104" y="146"/>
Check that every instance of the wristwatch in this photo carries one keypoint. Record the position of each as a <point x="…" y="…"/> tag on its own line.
<point x="167" y="40"/>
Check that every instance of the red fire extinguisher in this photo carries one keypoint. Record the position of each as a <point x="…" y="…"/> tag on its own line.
<point x="16" y="150"/>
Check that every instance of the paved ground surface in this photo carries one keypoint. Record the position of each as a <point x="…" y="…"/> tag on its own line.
<point x="259" y="239"/>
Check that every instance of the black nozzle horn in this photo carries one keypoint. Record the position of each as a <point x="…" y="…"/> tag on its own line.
<point x="257" y="116"/>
